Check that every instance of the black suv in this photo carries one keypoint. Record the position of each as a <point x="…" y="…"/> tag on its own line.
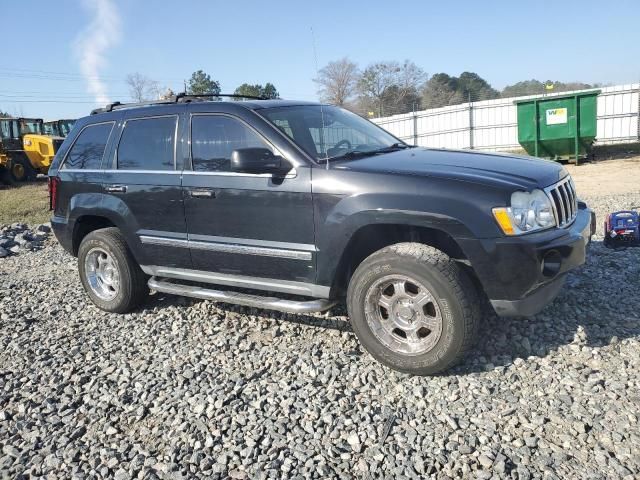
<point x="313" y="205"/>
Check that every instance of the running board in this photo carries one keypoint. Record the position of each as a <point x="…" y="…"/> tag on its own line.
<point x="237" y="298"/>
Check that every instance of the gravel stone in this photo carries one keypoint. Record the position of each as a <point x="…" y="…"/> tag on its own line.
<point x="185" y="388"/>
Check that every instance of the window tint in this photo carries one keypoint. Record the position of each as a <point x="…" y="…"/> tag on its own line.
<point x="88" y="149"/>
<point x="147" y="144"/>
<point x="214" y="137"/>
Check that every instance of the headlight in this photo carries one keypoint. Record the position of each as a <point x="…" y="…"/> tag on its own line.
<point x="529" y="212"/>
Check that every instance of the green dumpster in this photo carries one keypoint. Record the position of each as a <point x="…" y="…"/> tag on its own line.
<point x="558" y="127"/>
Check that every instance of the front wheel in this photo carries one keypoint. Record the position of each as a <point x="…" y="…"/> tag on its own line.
<point x="109" y="274"/>
<point x="413" y="308"/>
<point x="21" y="169"/>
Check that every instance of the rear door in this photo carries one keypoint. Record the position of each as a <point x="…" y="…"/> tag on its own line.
<point x="242" y="224"/>
<point x="143" y="185"/>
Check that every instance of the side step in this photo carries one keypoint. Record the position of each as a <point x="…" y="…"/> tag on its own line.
<point x="268" y="303"/>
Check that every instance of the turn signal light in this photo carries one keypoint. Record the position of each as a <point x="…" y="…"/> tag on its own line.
<point x="504" y="220"/>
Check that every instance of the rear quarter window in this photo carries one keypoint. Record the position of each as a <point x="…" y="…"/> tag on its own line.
<point x="88" y="149"/>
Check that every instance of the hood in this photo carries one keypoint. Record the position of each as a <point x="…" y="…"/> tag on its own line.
<point x="512" y="171"/>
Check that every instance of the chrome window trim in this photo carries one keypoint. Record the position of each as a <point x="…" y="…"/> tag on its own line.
<point x="75" y="140"/>
<point x="165" y="172"/>
<point x="82" y="170"/>
<point x="228" y="248"/>
<point x="176" y="116"/>
<point x="257" y="283"/>
<point x="292" y="174"/>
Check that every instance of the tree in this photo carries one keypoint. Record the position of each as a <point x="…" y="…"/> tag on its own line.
<point x="142" y="88"/>
<point x="391" y="87"/>
<point x="257" y="90"/>
<point x="201" y="83"/>
<point x="441" y="90"/>
<point x="250" y="90"/>
<point x="337" y="81"/>
<point x="536" y="87"/>
<point x="475" y="88"/>
<point x="270" y="91"/>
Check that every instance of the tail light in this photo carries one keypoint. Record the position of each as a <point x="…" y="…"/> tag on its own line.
<point x="54" y="183"/>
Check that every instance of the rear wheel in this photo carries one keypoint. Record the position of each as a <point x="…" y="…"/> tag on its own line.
<point x="109" y="274"/>
<point x="413" y="308"/>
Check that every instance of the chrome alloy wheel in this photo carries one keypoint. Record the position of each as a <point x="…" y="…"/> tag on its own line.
<point x="403" y="314"/>
<point x="102" y="274"/>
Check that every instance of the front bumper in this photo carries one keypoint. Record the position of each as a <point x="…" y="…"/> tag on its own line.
<point x="521" y="275"/>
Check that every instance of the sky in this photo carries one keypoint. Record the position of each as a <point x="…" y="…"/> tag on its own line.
<point x="79" y="52"/>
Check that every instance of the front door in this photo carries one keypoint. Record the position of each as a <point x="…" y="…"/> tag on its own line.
<point x="144" y="187"/>
<point x="246" y="227"/>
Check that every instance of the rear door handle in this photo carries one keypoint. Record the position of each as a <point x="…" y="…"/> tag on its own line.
<point x="202" y="193"/>
<point x="116" y="188"/>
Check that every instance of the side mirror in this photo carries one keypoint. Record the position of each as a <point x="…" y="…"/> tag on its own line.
<point x="258" y="160"/>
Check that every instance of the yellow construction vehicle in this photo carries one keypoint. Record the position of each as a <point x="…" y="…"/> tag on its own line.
<point x="25" y="150"/>
<point x="59" y="128"/>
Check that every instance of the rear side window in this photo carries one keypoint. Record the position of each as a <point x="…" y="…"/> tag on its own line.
<point x="148" y="144"/>
<point x="215" y="137"/>
<point x="88" y="149"/>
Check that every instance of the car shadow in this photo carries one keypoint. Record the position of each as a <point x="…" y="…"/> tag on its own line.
<point x="598" y="306"/>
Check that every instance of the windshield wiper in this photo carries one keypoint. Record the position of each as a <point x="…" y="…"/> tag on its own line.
<point x="393" y="148"/>
<point x="365" y="153"/>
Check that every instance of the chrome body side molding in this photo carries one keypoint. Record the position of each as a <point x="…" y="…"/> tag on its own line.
<point x="269" y="303"/>
<point x="228" y="247"/>
<point x="255" y="283"/>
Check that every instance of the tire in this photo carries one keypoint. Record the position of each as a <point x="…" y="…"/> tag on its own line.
<point x="116" y="283"/>
<point x="437" y="288"/>
<point x="21" y="169"/>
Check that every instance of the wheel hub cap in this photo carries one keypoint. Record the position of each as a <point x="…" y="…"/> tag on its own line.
<point x="102" y="274"/>
<point x="403" y="314"/>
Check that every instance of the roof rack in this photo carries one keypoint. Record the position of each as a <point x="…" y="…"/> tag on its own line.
<point x="180" y="97"/>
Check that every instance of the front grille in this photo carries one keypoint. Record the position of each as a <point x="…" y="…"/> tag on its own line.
<point x="564" y="200"/>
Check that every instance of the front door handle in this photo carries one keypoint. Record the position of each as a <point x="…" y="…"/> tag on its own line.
<point x="116" y="188"/>
<point x="202" y="193"/>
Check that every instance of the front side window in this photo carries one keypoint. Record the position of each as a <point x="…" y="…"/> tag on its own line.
<point x="148" y="144"/>
<point x="88" y="150"/>
<point x="215" y="137"/>
<point x="330" y="132"/>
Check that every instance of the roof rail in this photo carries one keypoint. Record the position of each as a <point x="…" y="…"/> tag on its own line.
<point x="180" y="97"/>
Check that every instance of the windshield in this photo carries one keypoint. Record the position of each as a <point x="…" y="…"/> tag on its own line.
<point x="30" y="126"/>
<point x="328" y="132"/>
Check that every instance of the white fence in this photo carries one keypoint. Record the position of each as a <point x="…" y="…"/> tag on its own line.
<point x="492" y="124"/>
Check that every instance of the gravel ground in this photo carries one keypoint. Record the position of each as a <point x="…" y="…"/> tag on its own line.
<point x="186" y="389"/>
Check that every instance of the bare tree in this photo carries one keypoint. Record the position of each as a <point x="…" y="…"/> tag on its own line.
<point x="142" y="88"/>
<point x="390" y="87"/>
<point x="337" y="81"/>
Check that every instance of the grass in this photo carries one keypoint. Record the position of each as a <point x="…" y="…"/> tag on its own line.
<point x="26" y="203"/>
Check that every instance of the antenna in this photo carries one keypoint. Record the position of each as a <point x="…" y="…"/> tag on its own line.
<point x="322" y="143"/>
